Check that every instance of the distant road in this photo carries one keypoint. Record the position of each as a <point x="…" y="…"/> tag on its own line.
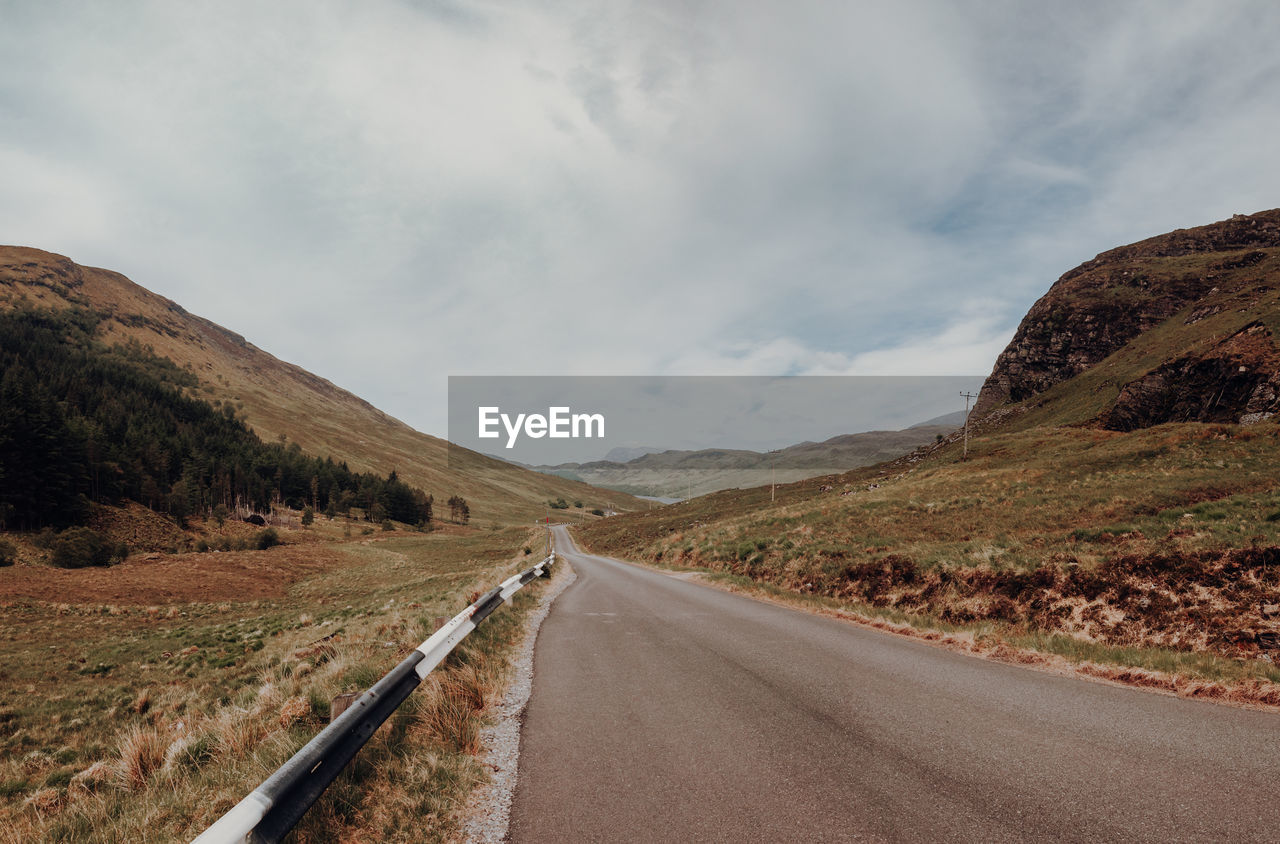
<point x="664" y="710"/>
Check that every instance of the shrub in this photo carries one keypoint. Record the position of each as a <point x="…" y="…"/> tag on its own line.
<point x="191" y="753"/>
<point x="141" y="753"/>
<point x="202" y="546"/>
<point x="308" y="516"/>
<point x="78" y="547"/>
<point x="59" y="778"/>
<point x="387" y="525"/>
<point x="8" y="552"/>
<point x="597" y="512"/>
<point x="11" y="788"/>
<point x="318" y="704"/>
<point x="266" y="539"/>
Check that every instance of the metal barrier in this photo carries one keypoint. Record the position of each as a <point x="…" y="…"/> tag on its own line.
<point x="273" y="808"/>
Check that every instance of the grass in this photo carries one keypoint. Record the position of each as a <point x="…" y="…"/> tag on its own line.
<point x="1020" y="495"/>
<point x="148" y="722"/>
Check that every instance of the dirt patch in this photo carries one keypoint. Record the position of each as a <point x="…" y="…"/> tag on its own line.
<point x="1194" y="601"/>
<point x="136" y="526"/>
<point x="172" y="578"/>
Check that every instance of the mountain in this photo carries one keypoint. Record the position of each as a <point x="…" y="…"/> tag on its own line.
<point x="949" y="420"/>
<point x="681" y="474"/>
<point x="281" y="400"/>
<point x="621" y="454"/>
<point x="1178" y="327"/>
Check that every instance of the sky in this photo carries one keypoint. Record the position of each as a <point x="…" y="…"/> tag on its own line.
<point x="390" y="192"/>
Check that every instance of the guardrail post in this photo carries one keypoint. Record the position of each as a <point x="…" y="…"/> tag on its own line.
<point x="340" y="704"/>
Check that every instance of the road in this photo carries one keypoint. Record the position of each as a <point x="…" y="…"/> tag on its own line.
<point x="665" y="710"/>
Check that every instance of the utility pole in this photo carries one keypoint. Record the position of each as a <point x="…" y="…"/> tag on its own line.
<point x="967" y="396"/>
<point x="773" y="472"/>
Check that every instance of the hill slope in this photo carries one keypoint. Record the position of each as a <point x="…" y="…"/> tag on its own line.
<point x="279" y="399"/>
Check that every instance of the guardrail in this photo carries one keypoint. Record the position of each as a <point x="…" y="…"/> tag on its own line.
<point x="273" y="808"/>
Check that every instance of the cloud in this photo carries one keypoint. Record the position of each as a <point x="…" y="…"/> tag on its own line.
<point x="621" y="187"/>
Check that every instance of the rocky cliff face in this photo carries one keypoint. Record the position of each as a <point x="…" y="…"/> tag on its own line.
<point x="1223" y="274"/>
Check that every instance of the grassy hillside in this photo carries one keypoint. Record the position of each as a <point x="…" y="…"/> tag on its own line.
<point x="90" y="423"/>
<point x="1157" y="549"/>
<point x="279" y="399"/>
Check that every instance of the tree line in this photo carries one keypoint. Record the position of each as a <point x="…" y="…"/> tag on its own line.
<point x="81" y="422"/>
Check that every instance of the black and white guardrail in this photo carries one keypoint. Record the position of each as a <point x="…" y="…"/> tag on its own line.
<point x="274" y="807"/>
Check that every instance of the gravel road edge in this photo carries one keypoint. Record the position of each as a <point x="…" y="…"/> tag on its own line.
<point x="488" y="810"/>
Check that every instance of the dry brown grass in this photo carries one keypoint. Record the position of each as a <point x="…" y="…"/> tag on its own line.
<point x="447" y="705"/>
<point x="142" y="751"/>
<point x="141" y="742"/>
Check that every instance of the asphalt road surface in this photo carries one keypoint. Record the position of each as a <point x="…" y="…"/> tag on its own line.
<point x="664" y="710"/>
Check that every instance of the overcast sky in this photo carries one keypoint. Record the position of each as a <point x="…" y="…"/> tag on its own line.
<point x="387" y="193"/>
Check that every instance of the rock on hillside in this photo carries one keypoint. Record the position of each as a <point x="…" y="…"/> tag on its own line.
<point x="1220" y="371"/>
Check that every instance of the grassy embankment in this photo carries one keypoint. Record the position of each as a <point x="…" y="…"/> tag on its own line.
<point x="146" y="717"/>
<point x="1155" y="549"/>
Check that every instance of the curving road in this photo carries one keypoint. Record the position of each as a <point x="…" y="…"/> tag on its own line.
<point x="663" y="710"/>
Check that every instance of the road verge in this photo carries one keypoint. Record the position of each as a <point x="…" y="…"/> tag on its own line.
<point x="1184" y="674"/>
<point x="487" y="814"/>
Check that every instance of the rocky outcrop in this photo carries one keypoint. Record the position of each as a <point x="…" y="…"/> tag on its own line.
<point x="1104" y="304"/>
<point x="1236" y="380"/>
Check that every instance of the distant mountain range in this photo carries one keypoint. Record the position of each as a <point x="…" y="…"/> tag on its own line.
<point x="679" y="474"/>
<point x="947" y="420"/>
<point x="625" y="455"/>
